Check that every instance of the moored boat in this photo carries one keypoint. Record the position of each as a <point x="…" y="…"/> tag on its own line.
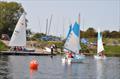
<point x="18" y="39"/>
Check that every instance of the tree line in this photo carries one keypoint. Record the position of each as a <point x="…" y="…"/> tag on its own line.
<point x="92" y="33"/>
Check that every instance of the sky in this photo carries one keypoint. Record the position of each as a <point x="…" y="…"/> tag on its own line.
<point x="102" y="14"/>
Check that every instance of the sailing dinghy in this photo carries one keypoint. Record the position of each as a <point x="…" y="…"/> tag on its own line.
<point x="18" y="39"/>
<point x="72" y="46"/>
<point x="100" y="48"/>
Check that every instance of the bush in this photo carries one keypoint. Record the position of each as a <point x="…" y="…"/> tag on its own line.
<point x="3" y="46"/>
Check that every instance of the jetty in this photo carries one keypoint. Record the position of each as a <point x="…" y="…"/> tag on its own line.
<point x="21" y="53"/>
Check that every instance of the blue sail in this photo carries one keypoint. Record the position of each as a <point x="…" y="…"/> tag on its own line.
<point x="76" y="29"/>
<point x="72" y="42"/>
<point x="70" y="29"/>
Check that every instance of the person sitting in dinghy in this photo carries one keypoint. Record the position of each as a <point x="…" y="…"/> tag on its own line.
<point x="70" y="55"/>
<point x="67" y="54"/>
<point x="101" y="54"/>
<point x="80" y="52"/>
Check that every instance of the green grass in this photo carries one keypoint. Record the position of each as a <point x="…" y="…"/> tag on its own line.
<point x="108" y="50"/>
<point x="49" y="43"/>
<point x="3" y="46"/>
<point x="112" y="50"/>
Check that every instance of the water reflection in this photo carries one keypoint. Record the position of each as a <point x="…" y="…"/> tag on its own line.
<point x="100" y="69"/>
<point x="17" y="67"/>
<point x="108" y="69"/>
<point x="67" y="72"/>
<point x="33" y="74"/>
<point x="4" y="68"/>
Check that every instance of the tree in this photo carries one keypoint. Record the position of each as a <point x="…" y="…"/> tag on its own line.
<point x="10" y="12"/>
<point x="39" y="35"/>
<point x="115" y="34"/>
<point x="106" y="34"/>
<point x="90" y="32"/>
<point x="83" y="34"/>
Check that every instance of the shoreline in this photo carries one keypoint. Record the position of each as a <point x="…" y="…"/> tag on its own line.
<point x="21" y="53"/>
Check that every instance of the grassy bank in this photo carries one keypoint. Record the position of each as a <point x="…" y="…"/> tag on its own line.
<point x="3" y="46"/>
<point x="108" y="50"/>
<point x="112" y="47"/>
<point x="112" y="50"/>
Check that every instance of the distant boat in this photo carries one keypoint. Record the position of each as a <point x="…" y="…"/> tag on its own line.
<point x="72" y="45"/>
<point x="48" y="50"/>
<point x="100" y="48"/>
<point x="18" y="39"/>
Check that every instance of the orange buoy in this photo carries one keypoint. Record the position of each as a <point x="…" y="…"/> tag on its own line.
<point x="33" y="65"/>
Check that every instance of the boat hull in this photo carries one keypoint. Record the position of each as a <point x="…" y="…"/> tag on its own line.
<point x="99" y="57"/>
<point x="47" y="50"/>
<point x="73" y="60"/>
<point x="29" y="50"/>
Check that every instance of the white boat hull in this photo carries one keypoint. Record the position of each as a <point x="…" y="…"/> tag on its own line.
<point x="29" y="50"/>
<point x="47" y="50"/>
<point x="73" y="60"/>
<point x="99" y="57"/>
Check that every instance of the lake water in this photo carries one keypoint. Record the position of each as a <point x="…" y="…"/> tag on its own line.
<point x="17" y="67"/>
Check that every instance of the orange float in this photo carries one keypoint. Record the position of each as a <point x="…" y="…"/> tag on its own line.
<point x="33" y="65"/>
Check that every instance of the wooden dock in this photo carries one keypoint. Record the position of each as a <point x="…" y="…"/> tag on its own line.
<point x="20" y="53"/>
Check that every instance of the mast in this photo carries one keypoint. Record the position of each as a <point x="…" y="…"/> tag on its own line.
<point x="46" y="26"/>
<point x="79" y="19"/>
<point x="63" y="28"/>
<point x="50" y="24"/>
<point x="79" y="30"/>
<point x="39" y="25"/>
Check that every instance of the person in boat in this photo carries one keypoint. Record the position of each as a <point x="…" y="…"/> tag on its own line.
<point x="67" y="55"/>
<point x="101" y="54"/>
<point x="14" y="48"/>
<point x="80" y="52"/>
<point x="70" y="55"/>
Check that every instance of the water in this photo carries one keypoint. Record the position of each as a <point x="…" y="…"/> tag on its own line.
<point x="17" y="67"/>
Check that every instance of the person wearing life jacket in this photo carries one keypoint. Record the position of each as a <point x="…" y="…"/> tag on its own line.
<point x="70" y="55"/>
<point x="67" y="54"/>
<point x="80" y="52"/>
<point x="102" y="54"/>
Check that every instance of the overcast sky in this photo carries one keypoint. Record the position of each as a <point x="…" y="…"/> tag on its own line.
<point x="103" y="14"/>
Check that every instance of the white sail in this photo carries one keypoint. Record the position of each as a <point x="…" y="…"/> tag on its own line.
<point x="72" y="42"/>
<point x="19" y="35"/>
<point x="100" y="47"/>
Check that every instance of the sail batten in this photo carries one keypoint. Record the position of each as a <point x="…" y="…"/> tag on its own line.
<point x="19" y="35"/>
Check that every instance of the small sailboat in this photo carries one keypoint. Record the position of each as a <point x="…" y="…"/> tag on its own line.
<point x="100" y="48"/>
<point x="18" y="39"/>
<point x="72" y="46"/>
<point x="47" y="50"/>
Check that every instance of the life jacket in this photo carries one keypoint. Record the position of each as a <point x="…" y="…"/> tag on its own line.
<point x="69" y="55"/>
